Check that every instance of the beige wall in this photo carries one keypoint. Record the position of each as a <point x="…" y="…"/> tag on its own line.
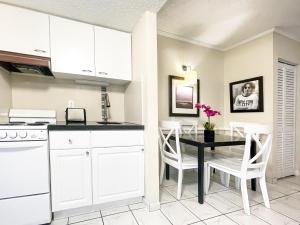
<point x="44" y="93"/>
<point x="208" y="63"/>
<point x="250" y="60"/>
<point x="247" y="61"/>
<point x="141" y="102"/>
<point x="5" y="94"/>
<point x="289" y="50"/>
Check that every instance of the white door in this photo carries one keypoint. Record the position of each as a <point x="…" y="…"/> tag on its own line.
<point x="286" y="120"/>
<point x="112" y="54"/>
<point x="24" y="168"/>
<point x="72" y="47"/>
<point x="24" y="31"/>
<point x="118" y="173"/>
<point x="70" y="178"/>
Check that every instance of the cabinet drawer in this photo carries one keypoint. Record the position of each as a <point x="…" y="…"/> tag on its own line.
<point x="69" y="139"/>
<point x="117" y="138"/>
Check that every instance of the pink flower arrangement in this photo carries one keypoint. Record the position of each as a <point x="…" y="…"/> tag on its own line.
<point x="209" y="113"/>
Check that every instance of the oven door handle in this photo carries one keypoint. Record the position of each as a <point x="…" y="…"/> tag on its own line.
<point x="11" y="146"/>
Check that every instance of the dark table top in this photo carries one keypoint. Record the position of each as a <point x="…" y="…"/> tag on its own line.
<point x="93" y="125"/>
<point x="219" y="140"/>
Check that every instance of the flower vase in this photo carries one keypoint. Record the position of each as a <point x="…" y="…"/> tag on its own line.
<point x="209" y="135"/>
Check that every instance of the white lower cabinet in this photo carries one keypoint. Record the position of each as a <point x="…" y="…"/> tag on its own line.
<point x="101" y="172"/>
<point x="118" y="173"/>
<point x="71" y="184"/>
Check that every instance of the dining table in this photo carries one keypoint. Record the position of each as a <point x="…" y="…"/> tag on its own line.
<point x="201" y="143"/>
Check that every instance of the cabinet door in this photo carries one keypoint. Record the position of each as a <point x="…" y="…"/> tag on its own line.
<point x="24" y="31"/>
<point x="70" y="179"/>
<point x="112" y="54"/>
<point x="72" y="47"/>
<point x="118" y="173"/>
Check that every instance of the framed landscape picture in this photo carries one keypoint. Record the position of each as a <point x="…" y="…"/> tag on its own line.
<point x="247" y="95"/>
<point x="183" y="97"/>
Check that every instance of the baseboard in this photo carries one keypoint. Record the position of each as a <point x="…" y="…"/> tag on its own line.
<point x="272" y="180"/>
<point x="93" y="208"/>
<point x="152" y="206"/>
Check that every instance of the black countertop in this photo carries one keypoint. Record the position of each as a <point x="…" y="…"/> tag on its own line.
<point x="92" y="125"/>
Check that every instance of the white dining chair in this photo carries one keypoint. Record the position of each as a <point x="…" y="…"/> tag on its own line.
<point x="236" y="130"/>
<point x="189" y="126"/>
<point x="248" y="168"/>
<point x="173" y="156"/>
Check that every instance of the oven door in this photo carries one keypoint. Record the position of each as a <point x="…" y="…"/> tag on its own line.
<point x="24" y="168"/>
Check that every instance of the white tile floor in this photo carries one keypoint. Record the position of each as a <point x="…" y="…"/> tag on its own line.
<point x="222" y="206"/>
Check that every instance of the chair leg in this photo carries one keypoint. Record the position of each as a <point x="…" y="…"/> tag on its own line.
<point x="264" y="191"/>
<point x="237" y="183"/>
<point x="162" y="171"/>
<point x="179" y="189"/>
<point x="222" y="177"/>
<point x="207" y="180"/>
<point x="225" y="178"/>
<point x="182" y="147"/>
<point x="245" y="196"/>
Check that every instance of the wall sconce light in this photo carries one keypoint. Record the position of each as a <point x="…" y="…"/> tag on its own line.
<point x="190" y="75"/>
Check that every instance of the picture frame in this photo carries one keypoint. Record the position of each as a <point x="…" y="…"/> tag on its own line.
<point x="183" y="97"/>
<point x="247" y="95"/>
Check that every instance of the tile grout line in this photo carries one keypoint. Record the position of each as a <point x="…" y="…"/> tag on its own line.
<point x="218" y="193"/>
<point x="133" y="216"/>
<point x="165" y="216"/>
<point x="101" y="217"/>
<point x="190" y="210"/>
<point x="283" y="213"/>
<point x="231" y="219"/>
<point x="116" y="213"/>
<point x="280" y="214"/>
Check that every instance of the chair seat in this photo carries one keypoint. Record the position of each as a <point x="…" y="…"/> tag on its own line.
<point x="233" y="166"/>
<point x="234" y="152"/>
<point x="189" y="160"/>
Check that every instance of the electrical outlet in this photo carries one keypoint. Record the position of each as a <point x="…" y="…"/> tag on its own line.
<point x="71" y="104"/>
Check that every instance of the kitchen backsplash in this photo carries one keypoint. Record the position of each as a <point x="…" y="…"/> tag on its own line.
<point x="45" y="93"/>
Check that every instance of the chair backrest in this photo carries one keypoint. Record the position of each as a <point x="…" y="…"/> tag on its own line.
<point x="189" y="126"/>
<point x="166" y="129"/>
<point x="253" y="132"/>
<point x="237" y="128"/>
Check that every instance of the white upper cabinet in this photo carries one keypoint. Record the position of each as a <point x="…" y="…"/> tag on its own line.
<point x="24" y="31"/>
<point x="72" y="47"/>
<point x="112" y="54"/>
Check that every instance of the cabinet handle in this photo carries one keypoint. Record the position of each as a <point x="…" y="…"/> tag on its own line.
<point x="102" y="73"/>
<point x="87" y="71"/>
<point x="70" y="141"/>
<point x="87" y="153"/>
<point x="40" y="50"/>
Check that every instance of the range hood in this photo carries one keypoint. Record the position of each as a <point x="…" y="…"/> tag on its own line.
<point x="21" y="63"/>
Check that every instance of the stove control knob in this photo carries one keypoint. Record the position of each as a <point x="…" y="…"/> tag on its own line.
<point x="22" y="134"/>
<point x="33" y="136"/>
<point x="3" y="134"/>
<point x="12" y="134"/>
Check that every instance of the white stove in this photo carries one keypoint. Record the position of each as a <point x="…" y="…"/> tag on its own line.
<point x="27" y="125"/>
<point x="24" y="168"/>
<point x="23" y="132"/>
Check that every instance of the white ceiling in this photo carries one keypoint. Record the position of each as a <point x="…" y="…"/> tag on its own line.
<point x="118" y="14"/>
<point x="223" y="24"/>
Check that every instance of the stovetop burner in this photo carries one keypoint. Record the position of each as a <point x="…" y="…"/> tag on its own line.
<point x="37" y="124"/>
<point x="12" y="124"/>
